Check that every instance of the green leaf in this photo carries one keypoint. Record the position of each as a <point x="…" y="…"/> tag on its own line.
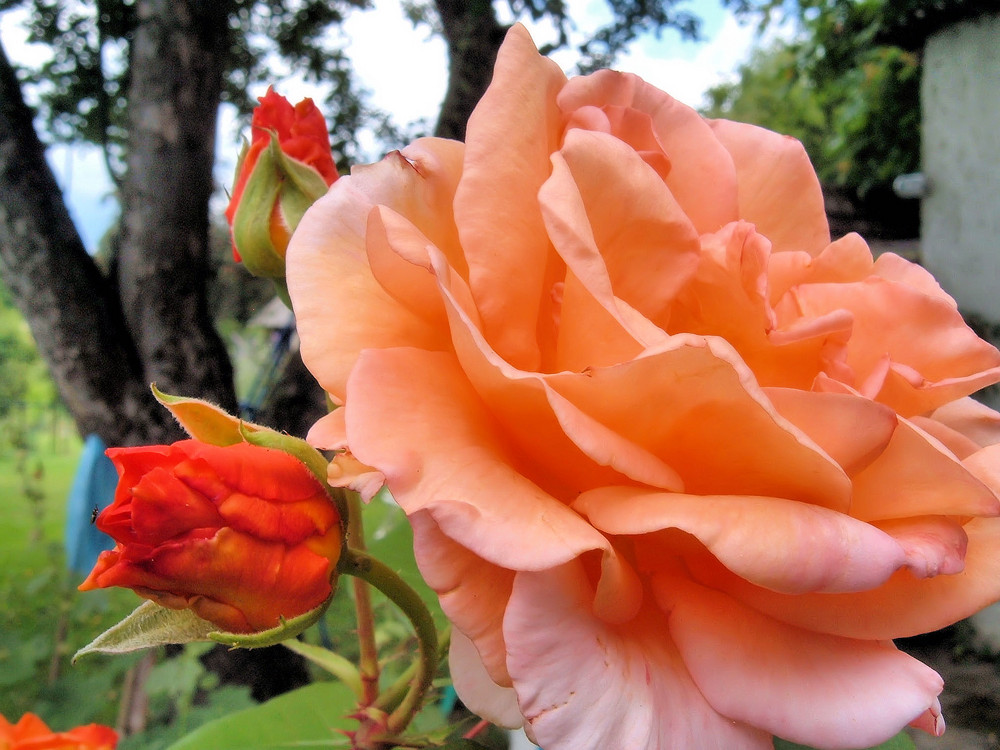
<point x="314" y="716"/>
<point x="901" y="741"/>
<point x="332" y="662"/>
<point x="149" y="625"/>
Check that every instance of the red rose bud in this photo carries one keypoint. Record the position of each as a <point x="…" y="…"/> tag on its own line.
<point x="287" y="166"/>
<point x="31" y="733"/>
<point x="242" y="535"/>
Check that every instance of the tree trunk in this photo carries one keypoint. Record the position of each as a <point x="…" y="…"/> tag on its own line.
<point x="75" y="319"/>
<point x="178" y="60"/>
<point x="474" y="36"/>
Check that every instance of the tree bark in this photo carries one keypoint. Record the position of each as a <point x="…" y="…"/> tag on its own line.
<point x="178" y="60"/>
<point x="75" y="319"/>
<point x="474" y="36"/>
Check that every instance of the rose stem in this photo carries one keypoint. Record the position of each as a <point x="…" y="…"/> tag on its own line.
<point x="368" y="662"/>
<point x="385" y="579"/>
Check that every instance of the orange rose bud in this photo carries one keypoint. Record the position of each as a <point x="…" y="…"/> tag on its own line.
<point x="31" y="733"/>
<point x="242" y="535"/>
<point x="287" y="166"/>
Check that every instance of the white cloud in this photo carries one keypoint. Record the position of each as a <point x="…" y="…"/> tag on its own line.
<point x="688" y="77"/>
<point x="405" y="69"/>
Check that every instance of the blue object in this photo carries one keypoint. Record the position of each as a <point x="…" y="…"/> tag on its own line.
<point x="93" y="487"/>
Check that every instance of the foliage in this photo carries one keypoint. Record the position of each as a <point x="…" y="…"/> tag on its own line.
<point x="83" y="87"/>
<point x="22" y="372"/>
<point x="854" y="103"/>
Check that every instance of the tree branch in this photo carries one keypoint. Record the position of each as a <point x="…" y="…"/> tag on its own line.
<point x="74" y="318"/>
<point x="474" y="36"/>
<point x="178" y="59"/>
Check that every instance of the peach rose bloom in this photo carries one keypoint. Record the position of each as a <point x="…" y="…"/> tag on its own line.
<point x="678" y="466"/>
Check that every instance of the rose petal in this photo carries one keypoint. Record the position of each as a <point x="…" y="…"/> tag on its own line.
<point x="843" y="260"/>
<point x="902" y="607"/>
<point x="583" y="683"/>
<point x="933" y="545"/>
<point x="894" y="268"/>
<point x="934" y="357"/>
<point x="544" y="429"/>
<point x="815" y="689"/>
<point x="917" y="476"/>
<point x="645" y="246"/>
<point x="473" y="592"/>
<point x="852" y="430"/>
<point x="478" y="692"/>
<point x="496" y="209"/>
<point x="702" y="177"/>
<point x="777" y="186"/>
<point x="969" y="417"/>
<point x="327" y="252"/>
<point x="780" y="544"/>
<point x="695" y="406"/>
<point x="400" y="400"/>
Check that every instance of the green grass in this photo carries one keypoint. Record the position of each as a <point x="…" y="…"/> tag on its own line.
<point x="44" y="618"/>
<point x="27" y="531"/>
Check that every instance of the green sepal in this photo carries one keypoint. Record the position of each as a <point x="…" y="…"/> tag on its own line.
<point x="205" y="421"/>
<point x="286" y="629"/>
<point x="252" y="223"/>
<point x="149" y="625"/>
<point x="276" y="177"/>
<point x="303" y="185"/>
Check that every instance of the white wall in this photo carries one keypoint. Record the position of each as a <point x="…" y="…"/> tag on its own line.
<point x="960" y="229"/>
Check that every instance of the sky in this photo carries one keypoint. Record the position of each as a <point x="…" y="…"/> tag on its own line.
<point x="415" y="89"/>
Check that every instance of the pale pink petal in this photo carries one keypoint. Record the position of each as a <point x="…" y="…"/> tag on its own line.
<point x="511" y="133"/>
<point x="894" y="268"/>
<point x="340" y="307"/>
<point x="557" y="445"/>
<point x="971" y="418"/>
<point x="930" y="721"/>
<point x="702" y="177"/>
<point x="591" y="334"/>
<point x="413" y="414"/>
<point x="934" y="356"/>
<point x="777" y="185"/>
<point x="934" y="545"/>
<point x="917" y="476"/>
<point x="984" y="465"/>
<point x="478" y="692"/>
<point x="572" y="236"/>
<point x="647" y="248"/>
<point x="329" y="433"/>
<point x="583" y="683"/>
<point x="695" y="405"/>
<point x="903" y="607"/>
<point x="852" y="430"/>
<point x="961" y="446"/>
<point x="780" y="544"/>
<point x="820" y="690"/>
<point x="473" y="593"/>
<point x="344" y="470"/>
<point x="843" y="260"/>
